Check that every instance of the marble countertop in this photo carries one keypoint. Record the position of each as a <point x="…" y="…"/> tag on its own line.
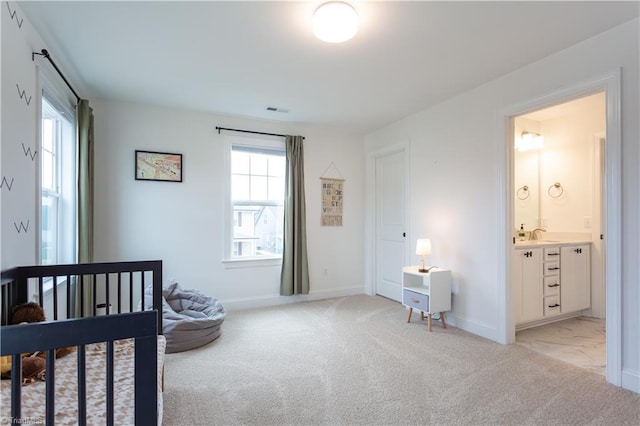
<point x="538" y="243"/>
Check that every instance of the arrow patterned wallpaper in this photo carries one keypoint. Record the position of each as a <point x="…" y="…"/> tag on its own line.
<point x="18" y="184"/>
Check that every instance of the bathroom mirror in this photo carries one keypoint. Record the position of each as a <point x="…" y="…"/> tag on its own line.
<point x="527" y="205"/>
<point x="526" y="181"/>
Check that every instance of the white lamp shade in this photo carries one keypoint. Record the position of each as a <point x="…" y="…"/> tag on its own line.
<point x="335" y="22"/>
<point x="423" y="247"/>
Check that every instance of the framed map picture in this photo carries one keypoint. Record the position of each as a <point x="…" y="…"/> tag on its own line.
<point x="160" y="166"/>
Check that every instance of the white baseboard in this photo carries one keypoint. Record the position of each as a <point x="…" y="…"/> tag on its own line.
<point x="275" y="300"/>
<point x="478" y="328"/>
<point x="631" y="380"/>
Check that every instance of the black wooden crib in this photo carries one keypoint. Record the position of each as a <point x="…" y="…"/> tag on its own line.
<point x="118" y="345"/>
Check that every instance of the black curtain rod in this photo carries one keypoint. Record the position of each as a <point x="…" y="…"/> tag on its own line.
<point x="251" y="131"/>
<point x="45" y="53"/>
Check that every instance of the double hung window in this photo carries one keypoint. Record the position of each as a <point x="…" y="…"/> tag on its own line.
<point x="57" y="182"/>
<point x="257" y="198"/>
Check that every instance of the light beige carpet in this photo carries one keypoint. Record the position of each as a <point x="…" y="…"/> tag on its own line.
<point x="355" y="361"/>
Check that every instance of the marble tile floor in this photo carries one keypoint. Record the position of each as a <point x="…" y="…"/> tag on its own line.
<point x="579" y="341"/>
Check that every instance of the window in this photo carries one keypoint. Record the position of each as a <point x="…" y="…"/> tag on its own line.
<point x="257" y="198"/>
<point x="57" y="183"/>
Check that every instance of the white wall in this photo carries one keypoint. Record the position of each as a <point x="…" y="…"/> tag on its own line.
<point x="22" y="79"/>
<point x="567" y="158"/>
<point x="455" y="188"/>
<point x="19" y="114"/>
<point x="183" y="223"/>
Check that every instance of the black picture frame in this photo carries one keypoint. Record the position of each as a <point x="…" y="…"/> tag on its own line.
<point x="158" y="166"/>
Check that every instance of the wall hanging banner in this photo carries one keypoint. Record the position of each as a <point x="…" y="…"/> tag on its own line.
<point x="332" y="193"/>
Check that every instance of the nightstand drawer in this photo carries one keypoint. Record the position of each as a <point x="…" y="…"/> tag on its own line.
<point x="415" y="300"/>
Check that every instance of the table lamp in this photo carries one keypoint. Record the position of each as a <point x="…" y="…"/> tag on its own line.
<point x="423" y="248"/>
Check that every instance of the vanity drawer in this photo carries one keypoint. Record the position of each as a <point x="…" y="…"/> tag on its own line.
<point x="552" y="285"/>
<point x="551" y="254"/>
<point x="415" y="300"/>
<point x="551" y="268"/>
<point x="551" y="305"/>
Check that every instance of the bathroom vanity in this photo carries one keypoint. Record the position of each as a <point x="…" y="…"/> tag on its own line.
<point x="551" y="281"/>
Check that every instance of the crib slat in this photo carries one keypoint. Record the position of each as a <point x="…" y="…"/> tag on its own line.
<point x="110" y="383"/>
<point x="40" y="292"/>
<point x="156" y="302"/>
<point x="55" y="298"/>
<point x="81" y="301"/>
<point x="51" y="387"/>
<point x="68" y="296"/>
<point x="82" y="387"/>
<point x="16" y="386"/>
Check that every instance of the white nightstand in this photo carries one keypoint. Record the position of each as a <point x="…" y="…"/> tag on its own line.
<point x="427" y="292"/>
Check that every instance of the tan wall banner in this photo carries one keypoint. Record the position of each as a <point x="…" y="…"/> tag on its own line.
<point x="332" y="193"/>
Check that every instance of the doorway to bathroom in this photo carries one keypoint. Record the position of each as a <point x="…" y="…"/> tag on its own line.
<point x="557" y="175"/>
<point x="564" y="194"/>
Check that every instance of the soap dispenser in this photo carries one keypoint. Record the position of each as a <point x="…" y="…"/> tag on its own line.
<point x="522" y="235"/>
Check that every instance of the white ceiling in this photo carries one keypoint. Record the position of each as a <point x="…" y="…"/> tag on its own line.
<point x="239" y="57"/>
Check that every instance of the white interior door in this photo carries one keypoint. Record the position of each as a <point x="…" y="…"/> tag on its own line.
<point x="390" y="238"/>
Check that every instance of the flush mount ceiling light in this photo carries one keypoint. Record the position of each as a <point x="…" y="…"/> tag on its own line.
<point x="335" y="22"/>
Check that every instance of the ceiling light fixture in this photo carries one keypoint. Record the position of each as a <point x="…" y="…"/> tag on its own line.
<point x="530" y="141"/>
<point x="335" y="22"/>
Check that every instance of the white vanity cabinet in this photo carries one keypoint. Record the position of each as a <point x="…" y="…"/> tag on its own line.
<point x="527" y="284"/>
<point x="575" y="276"/>
<point x="550" y="282"/>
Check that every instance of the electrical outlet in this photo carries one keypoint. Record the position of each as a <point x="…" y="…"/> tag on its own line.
<point x="587" y="222"/>
<point x="544" y="222"/>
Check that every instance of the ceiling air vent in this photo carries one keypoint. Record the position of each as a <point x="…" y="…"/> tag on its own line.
<point x="274" y="109"/>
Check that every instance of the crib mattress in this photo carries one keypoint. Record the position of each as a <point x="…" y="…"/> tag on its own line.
<point x="66" y="401"/>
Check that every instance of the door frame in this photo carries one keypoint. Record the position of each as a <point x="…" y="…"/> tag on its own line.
<point x="598" y="146"/>
<point x="370" y="239"/>
<point x="612" y="210"/>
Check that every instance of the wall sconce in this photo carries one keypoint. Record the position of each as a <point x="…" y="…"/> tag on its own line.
<point x="423" y="248"/>
<point x="335" y="22"/>
<point x="529" y="141"/>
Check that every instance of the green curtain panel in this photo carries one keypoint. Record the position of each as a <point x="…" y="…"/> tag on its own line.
<point x="85" y="146"/>
<point x="294" y="278"/>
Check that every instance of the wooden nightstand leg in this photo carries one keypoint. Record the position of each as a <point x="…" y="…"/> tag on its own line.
<point x="422" y="315"/>
<point x="444" y="324"/>
<point x="410" y="312"/>
<point x="429" y="322"/>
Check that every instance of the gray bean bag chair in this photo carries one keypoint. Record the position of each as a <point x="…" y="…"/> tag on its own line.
<point x="189" y="318"/>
